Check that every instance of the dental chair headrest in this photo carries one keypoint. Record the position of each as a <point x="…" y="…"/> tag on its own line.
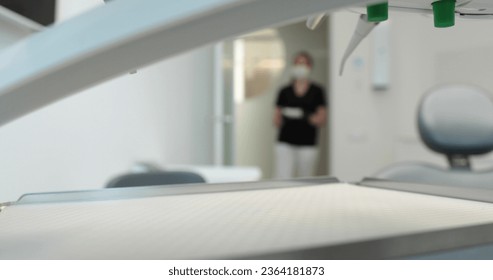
<point x="457" y="120"/>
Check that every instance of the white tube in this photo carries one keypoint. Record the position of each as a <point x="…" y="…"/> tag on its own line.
<point x="363" y="28"/>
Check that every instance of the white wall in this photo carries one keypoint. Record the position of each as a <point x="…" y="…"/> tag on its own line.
<point x="161" y="114"/>
<point x="255" y="133"/>
<point x="372" y="129"/>
<point x="362" y="120"/>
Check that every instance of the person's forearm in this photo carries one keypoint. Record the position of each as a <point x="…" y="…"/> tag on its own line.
<point x="318" y="119"/>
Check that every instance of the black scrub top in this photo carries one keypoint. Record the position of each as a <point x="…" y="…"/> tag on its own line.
<point x="296" y="111"/>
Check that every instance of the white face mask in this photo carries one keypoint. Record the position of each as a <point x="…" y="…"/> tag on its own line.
<point x="300" y="71"/>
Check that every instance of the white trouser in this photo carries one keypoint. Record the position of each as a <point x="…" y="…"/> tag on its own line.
<point x="289" y="159"/>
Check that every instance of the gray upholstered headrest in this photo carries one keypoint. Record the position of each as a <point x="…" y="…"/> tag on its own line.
<point x="457" y="119"/>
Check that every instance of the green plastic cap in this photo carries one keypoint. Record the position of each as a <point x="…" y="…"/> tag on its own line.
<point x="378" y="12"/>
<point x="444" y="12"/>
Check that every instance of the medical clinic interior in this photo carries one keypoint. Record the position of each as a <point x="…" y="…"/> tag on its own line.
<point x="321" y="131"/>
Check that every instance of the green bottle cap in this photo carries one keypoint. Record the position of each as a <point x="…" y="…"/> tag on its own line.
<point x="378" y="12"/>
<point x="444" y="12"/>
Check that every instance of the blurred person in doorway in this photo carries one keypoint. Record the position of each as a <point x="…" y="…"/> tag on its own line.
<point x="300" y="111"/>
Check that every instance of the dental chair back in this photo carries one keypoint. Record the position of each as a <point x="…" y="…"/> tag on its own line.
<point x="456" y="121"/>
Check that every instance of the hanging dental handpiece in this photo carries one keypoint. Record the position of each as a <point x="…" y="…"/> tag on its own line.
<point x="375" y="14"/>
<point x="363" y="28"/>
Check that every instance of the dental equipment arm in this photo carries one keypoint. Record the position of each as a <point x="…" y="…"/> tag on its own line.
<point x="363" y="28"/>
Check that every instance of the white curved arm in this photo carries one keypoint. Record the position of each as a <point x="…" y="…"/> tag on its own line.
<point x="125" y="35"/>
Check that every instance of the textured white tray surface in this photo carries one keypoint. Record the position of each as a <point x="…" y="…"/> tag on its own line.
<point x="224" y="225"/>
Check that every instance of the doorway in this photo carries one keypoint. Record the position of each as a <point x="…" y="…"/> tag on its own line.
<point x="254" y="67"/>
